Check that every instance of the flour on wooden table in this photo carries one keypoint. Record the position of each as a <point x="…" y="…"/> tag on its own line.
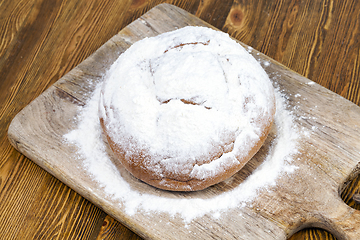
<point x="117" y="185"/>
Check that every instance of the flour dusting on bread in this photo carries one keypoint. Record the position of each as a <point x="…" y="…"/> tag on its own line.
<point x="186" y="109"/>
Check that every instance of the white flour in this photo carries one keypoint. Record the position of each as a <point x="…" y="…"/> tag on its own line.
<point x="225" y="99"/>
<point x="118" y="185"/>
<point x="196" y="105"/>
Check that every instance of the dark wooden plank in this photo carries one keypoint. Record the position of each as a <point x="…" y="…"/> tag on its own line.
<point x="113" y="230"/>
<point x="41" y="205"/>
<point x="312" y="234"/>
<point x="35" y="52"/>
<point x="18" y="90"/>
<point x="14" y="15"/>
<point x="320" y="155"/>
<point x="318" y="39"/>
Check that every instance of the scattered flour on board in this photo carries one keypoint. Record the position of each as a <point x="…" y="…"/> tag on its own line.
<point x="115" y="184"/>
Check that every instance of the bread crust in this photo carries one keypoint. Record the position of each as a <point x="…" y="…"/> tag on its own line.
<point x="146" y="166"/>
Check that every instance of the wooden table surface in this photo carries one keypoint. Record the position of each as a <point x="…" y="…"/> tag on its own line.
<point x="42" y="40"/>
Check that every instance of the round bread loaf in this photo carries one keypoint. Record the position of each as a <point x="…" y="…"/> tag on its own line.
<point x="186" y="109"/>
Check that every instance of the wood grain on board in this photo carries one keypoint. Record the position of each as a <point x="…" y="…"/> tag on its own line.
<point x="35" y="52"/>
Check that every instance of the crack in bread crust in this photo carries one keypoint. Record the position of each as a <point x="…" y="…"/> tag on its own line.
<point x="184" y="44"/>
<point x="185" y="101"/>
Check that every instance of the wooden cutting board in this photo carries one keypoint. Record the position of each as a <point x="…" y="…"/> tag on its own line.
<point x="327" y="159"/>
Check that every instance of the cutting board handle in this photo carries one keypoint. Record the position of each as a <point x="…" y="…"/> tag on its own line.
<point x="341" y="220"/>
